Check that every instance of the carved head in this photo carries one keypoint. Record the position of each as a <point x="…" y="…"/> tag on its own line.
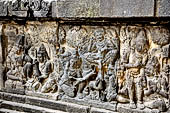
<point x="110" y="69"/>
<point x="165" y="68"/>
<point x="120" y="72"/>
<point x="42" y="54"/>
<point x="33" y="52"/>
<point x="62" y="50"/>
<point x="76" y="28"/>
<point x="62" y="35"/>
<point x="99" y="34"/>
<point x="141" y="41"/>
<point x="20" y="44"/>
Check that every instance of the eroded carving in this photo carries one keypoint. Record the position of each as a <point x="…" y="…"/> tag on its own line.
<point x="28" y="8"/>
<point x="128" y="65"/>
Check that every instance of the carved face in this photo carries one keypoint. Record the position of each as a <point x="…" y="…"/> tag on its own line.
<point x="40" y="58"/>
<point x="139" y="47"/>
<point x="120" y="73"/>
<point x="99" y="34"/>
<point x="18" y="50"/>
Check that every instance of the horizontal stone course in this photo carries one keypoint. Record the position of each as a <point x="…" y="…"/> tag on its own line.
<point x="163" y="8"/>
<point x="29" y="103"/>
<point x="103" y="8"/>
<point x="89" y="9"/>
<point x="127" y="8"/>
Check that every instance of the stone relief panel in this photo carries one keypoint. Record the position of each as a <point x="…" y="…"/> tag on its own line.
<point x="117" y="67"/>
<point x="28" y="54"/>
<point x="26" y="8"/>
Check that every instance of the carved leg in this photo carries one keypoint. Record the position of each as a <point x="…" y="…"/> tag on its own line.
<point x="131" y="92"/>
<point x="60" y="93"/>
<point x="35" y="86"/>
<point x="80" y="90"/>
<point x="121" y="99"/>
<point x="139" y="96"/>
<point x="47" y="86"/>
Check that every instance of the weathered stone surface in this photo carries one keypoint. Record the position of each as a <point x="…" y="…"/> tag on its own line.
<point x="163" y="8"/>
<point x="47" y="103"/>
<point x="40" y="13"/>
<point x="12" y="97"/>
<point x="20" y="107"/>
<point x="97" y="110"/>
<point x="127" y="8"/>
<point x="1" y="60"/>
<point x="73" y="108"/>
<point x="104" y="105"/>
<point x="127" y="109"/>
<point x="31" y="104"/>
<point x="76" y="8"/>
<point x="3" y="8"/>
<point x="19" y="13"/>
<point x="92" y="66"/>
<point x="101" y="8"/>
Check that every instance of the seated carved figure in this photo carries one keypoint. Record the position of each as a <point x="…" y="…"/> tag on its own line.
<point x="21" y="64"/>
<point x="14" y="78"/>
<point x="43" y="70"/>
<point x="155" y="93"/>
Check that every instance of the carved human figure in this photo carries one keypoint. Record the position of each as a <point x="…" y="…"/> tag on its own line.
<point x="159" y="84"/>
<point x="137" y="60"/>
<point x="43" y="69"/>
<point x="21" y="63"/>
<point x="127" y="33"/>
<point x="96" y="55"/>
<point x="155" y="92"/>
<point x="111" y="88"/>
<point x="88" y="71"/>
<point x="100" y="51"/>
<point x="73" y="35"/>
<point x="71" y="71"/>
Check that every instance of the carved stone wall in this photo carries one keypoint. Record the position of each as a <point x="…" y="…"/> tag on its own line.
<point x="111" y="67"/>
<point x="122" y="66"/>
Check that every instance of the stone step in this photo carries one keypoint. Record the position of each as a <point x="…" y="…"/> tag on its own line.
<point x="20" y="107"/>
<point x="3" y="110"/>
<point x="59" y="106"/>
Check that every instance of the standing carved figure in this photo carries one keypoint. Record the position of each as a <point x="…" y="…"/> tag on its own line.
<point x="135" y="71"/>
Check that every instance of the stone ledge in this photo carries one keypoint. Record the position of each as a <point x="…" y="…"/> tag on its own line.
<point x="103" y="8"/>
<point x="125" y="109"/>
<point x="90" y="9"/>
<point x="163" y="8"/>
<point x="92" y="103"/>
<point x="51" y="104"/>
